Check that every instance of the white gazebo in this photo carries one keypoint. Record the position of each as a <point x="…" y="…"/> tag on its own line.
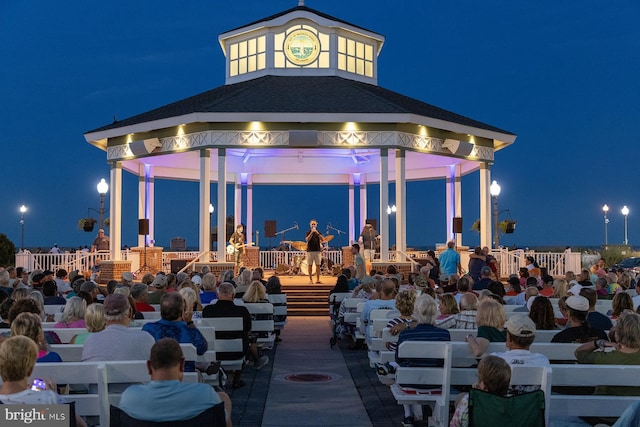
<point x="301" y="90"/>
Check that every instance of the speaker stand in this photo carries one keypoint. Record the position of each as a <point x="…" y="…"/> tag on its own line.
<point x="145" y="266"/>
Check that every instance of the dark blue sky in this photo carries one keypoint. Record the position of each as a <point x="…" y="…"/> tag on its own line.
<point x="563" y="76"/>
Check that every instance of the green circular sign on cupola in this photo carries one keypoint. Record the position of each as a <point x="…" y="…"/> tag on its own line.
<point x="301" y="47"/>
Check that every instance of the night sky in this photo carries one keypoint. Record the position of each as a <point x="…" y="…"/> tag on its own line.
<point x="563" y="76"/>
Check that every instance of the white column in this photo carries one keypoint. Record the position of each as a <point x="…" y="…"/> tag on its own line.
<point x="115" y="204"/>
<point x="450" y="202"/>
<point x="237" y="200"/>
<point x="222" y="204"/>
<point x="352" y="211"/>
<point x="458" y="200"/>
<point x="151" y="208"/>
<point x="204" y="217"/>
<point x="249" y="229"/>
<point x="401" y="201"/>
<point x="485" y="205"/>
<point x="384" y="201"/>
<point x="142" y="199"/>
<point x="363" y="202"/>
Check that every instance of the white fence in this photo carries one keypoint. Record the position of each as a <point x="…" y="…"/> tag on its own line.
<point x="510" y="261"/>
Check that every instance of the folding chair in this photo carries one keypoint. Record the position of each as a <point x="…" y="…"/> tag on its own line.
<point x="523" y="410"/>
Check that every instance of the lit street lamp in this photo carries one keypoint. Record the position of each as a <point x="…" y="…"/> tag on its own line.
<point x="102" y="187"/>
<point x="391" y="209"/>
<point x="494" y="190"/>
<point x="23" y="210"/>
<point x="625" y="213"/>
<point x="211" y="209"/>
<point x="605" y="209"/>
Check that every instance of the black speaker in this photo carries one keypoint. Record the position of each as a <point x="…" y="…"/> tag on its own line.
<point x="270" y="228"/>
<point x="457" y="224"/>
<point x="178" y="264"/>
<point x="373" y="222"/>
<point x="143" y="227"/>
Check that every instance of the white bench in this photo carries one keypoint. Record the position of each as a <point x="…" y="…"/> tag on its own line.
<point x="279" y="302"/>
<point x="262" y="323"/>
<point x="228" y="342"/>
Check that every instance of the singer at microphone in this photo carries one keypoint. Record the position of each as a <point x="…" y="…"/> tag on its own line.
<point x="314" y="250"/>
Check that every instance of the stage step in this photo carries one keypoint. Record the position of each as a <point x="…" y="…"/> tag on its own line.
<point x="304" y="299"/>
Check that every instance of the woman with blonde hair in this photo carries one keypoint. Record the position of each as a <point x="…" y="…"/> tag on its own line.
<point x="256" y="293"/>
<point x="30" y="325"/>
<point x="560" y="288"/>
<point x="18" y="356"/>
<point x="405" y="301"/>
<point x="73" y="314"/>
<point x="490" y="319"/>
<point x="197" y="306"/>
<point x="191" y="302"/>
<point x="39" y="299"/>
<point x="94" y="318"/>
<point x="448" y="310"/>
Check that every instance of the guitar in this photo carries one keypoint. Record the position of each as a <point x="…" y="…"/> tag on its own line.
<point x="233" y="248"/>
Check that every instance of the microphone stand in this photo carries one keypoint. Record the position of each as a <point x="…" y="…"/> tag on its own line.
<point x="330" y="227"/>
<point x="295" y="227"/>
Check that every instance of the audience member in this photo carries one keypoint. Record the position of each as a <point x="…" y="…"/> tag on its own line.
<point x="494" y="376"/>
<point x="158" y="287"/>
<point x="50" y="293"/>
<point x="541" y="312"/>
<point x="30" y="306"/>
<point x="485" y="279"/>
<point x="73" y="314"/>
<point x="596" y="319"/>
<point x="30" y="325"/>
<point x="140" y="294"/>
<point x="580" y="330"/>
<point x="476" y="261"/>
<point x="225" y="307"/>
<point x="424" y="313"/>
<point x="466" y="319"/>
<point x="209" y="288"/>
<point x="18" y="356"/>
<point x="191" y="302"/>
<point x="166" y="398"/>
<point x="405" y="301"/>
<point x="448" y="310"/>
<point x="625" y="341"/>
<point x="621" y="301"/>
<point x="387" y="300"/>
<point x="94" y="318"/>
<point x="490" y="320"/>
<point x="117" y="341"/>
<point x="176" y="323"/>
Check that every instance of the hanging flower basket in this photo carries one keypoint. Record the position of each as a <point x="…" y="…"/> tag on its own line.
<point x="87" y="224"/>
<point x="476" y="226"/>
<point x="507" y="226"/>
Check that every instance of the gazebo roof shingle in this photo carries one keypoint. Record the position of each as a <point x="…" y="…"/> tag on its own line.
<point x="318" y="94"/>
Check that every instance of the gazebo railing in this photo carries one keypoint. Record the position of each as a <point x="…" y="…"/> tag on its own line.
<point x="557" y="263"/>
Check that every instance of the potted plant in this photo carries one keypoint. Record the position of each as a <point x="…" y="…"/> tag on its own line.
<point x="87" y="224"/>
<point x="507" y="226"/>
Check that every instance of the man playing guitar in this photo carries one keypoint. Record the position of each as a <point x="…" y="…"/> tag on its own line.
<point x="237" y="241"/>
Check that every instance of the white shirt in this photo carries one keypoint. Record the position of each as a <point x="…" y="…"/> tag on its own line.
<point x="523" y="358"/>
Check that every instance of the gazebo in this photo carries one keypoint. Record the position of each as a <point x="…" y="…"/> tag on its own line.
<point x="300" y="93"/>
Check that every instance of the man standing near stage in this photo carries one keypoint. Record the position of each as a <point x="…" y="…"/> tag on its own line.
<point x="237" y="241"/>
<point x="100" y="243"/>
<point x="314" y="250"/>
<point x="370" y="241"/>
<point x="358" y="262"/>
<point x="450" y="260"/>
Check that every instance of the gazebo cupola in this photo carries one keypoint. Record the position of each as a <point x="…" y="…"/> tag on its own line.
<point x="301" y="41"/>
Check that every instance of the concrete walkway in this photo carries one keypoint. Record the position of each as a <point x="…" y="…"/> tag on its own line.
<point x="333" y="387"/>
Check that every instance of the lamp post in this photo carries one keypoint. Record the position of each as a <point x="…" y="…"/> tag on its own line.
<point x="494" y="190"/>
<point x="391" y="209"/>
<point x="102" y="187"/>
<point x="23" y="210"/>
<point x="625" y="213"/>
<point x="605" y="209"/>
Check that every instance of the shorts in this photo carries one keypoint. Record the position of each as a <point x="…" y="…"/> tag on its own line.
<point x="314" y="257"/>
